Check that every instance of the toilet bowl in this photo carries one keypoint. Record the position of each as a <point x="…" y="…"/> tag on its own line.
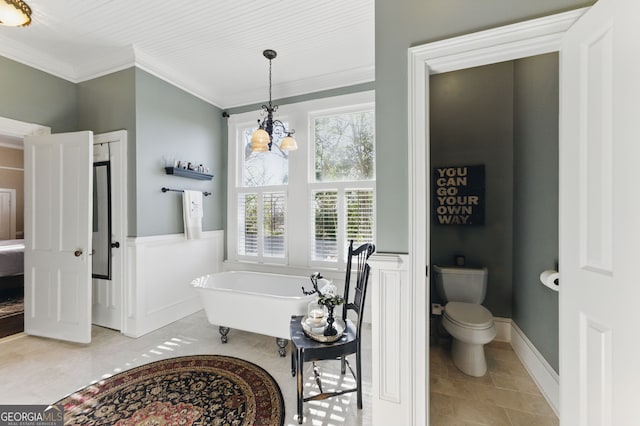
<point x="469" y="323"/>
<point x="471" y="326"/>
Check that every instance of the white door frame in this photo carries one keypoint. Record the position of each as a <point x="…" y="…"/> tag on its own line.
<point x="534" y="37"/>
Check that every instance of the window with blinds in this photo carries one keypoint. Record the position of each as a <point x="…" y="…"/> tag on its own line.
<point x="338" y="217"/>
<point x="262" y="224"/>
<point x="304" y="213"/>
<point x="343" y="195"/>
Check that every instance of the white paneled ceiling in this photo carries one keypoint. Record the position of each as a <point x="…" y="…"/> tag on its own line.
<point x="210" y="48"/>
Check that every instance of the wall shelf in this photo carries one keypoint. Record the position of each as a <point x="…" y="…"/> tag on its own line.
<point x="191" y="174"/>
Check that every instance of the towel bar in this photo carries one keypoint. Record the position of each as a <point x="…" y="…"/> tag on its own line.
<point x="164" y="189"/>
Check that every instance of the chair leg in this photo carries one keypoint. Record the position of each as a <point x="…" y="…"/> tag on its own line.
<point x="343" y="364"/>
<point x="359" y="378"/>
<point x="300" y="359"/>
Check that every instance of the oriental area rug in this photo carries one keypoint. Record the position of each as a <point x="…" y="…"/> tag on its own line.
<point x="189" y="390"/>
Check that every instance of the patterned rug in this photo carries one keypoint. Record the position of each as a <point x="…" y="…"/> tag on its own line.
<point x="190" y="390"/>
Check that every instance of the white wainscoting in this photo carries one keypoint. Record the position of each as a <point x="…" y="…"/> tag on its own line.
<point x="392" y="347"/>
<point x="160" y="270"/>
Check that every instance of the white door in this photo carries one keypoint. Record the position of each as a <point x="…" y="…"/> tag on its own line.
<point x="58" y="200"/>
<point x="600" y="217"/>
<point x="107" y="294"/>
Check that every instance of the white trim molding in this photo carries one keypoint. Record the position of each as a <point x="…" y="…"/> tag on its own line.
<point x="505" y="43"/>
<point x="160" y="271"/>
<point x="20" y="129"/>
<point x="545" y="377"/>
<point x="503" y="329"/>
<point x="393" y="352"/>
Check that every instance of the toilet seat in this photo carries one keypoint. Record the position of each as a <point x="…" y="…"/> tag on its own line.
<point x="469" y="315"/>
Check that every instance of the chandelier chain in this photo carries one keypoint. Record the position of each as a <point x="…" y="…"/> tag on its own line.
<point x="270" y="82"/>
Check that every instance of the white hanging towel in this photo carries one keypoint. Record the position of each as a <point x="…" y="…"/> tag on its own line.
<point x="192" y="213"/>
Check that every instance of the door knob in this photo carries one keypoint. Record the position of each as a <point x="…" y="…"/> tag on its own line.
<point x="77" y="253"/>
<point x="115" y="245"/>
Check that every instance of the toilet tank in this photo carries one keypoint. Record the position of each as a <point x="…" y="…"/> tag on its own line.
<point x="456" y="284"/>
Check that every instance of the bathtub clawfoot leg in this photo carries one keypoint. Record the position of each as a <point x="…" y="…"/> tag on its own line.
<point x="282" y="346"/>
<point x="223" y="333"/>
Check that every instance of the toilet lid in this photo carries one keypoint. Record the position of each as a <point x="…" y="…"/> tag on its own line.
<point x="469" y="315"/>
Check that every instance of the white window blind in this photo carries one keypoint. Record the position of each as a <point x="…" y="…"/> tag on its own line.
<point x="274" y="230"/>
<point x="359" y="206"/>
<point x="339" y="216"/>
<point x="248" y="224"/>
<point x="325" y="226"/>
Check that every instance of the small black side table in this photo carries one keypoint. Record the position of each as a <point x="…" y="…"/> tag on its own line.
<point x="305" y="349"/>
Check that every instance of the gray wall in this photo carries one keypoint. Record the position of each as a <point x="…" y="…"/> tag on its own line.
<point x="400" y="25"/>
<point x="106" y="104"/>
<point x="506" y="117"/>
<point x="172" y="123"/>
<point x="535" y="220"/>
<point x="472" y="123"/>
<point x="161" y="120"/>
<point x="36" y="97"/>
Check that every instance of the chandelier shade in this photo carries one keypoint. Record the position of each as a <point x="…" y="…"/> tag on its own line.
<point x="14" y="13"/>
<point x="262" y="138"/>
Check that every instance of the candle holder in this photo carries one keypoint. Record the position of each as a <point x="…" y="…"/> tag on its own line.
<point x="328" y="299"/>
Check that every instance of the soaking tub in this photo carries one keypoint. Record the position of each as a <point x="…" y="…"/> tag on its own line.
<point x="254" y="301"/>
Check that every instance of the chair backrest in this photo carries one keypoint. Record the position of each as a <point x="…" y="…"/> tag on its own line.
<point x="357" y="262"/>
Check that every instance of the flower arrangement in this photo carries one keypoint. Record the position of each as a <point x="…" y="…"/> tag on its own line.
<point x="329" y="299"/>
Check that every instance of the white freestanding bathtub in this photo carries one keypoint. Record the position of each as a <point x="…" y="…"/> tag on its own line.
<point x="254" y="301"/>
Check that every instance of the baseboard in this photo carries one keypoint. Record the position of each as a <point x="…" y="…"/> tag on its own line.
<point x="539" y="369"/>
<point x="503" y="329"/>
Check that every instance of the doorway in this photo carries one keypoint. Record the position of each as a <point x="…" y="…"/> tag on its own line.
<point x="502" y="118"/>
<point x="106" y="298"/>
<point x="109" y="229"/>
<point x="538" y="36"/>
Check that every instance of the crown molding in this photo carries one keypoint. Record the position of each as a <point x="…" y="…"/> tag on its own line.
<point x="93" y="67"/>
<point x="26" y="55"/>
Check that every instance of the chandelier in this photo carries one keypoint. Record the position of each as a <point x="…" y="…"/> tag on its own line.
<point x="14" y="13"/>
<point x="262" y="138"/>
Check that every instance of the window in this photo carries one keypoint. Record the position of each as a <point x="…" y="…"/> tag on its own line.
<point x="303" y="212"/>
<point x="342" y="196"/>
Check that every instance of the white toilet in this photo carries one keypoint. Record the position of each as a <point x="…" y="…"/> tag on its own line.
<point x="469" y="323"/>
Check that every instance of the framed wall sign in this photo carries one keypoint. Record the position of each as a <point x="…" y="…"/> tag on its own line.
<point x="458" y="195"/>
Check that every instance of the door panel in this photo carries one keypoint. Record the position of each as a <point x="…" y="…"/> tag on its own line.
<point x="58" y="184"/>
<point x="599" y="229"/>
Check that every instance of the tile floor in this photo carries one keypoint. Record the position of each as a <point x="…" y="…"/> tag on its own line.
<point x="40" y="371"/>
<point x="505" y="395"/>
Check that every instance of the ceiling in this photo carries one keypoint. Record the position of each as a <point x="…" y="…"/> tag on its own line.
<point x="210" y="48"/>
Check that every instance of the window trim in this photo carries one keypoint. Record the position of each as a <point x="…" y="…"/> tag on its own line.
<point x="301" y="176"/>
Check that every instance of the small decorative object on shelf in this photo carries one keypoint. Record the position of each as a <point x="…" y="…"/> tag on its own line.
<point x="193" y="174"/>
<point x="327" y="298"/>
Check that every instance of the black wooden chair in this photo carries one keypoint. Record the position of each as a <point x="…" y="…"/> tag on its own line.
<point x="306" y="349"/>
